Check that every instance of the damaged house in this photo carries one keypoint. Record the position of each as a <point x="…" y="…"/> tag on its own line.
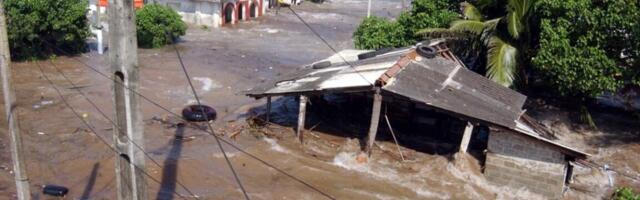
<point x="430" y="79"/>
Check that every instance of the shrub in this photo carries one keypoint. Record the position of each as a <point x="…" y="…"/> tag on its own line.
<point x="158" y="25"/>
<point x="427" y="14"/>
<point x="625" y="194"/>
<point x="581" y="43"/>
<point x="34" y="26"/>
<point x="376" y="33"/>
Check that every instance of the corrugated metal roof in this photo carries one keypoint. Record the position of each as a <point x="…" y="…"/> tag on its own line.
<point x="356" y="75"/>
<point x="447" y="85"/>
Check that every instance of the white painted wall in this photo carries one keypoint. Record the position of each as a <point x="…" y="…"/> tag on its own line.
<point x="196" y="12"/>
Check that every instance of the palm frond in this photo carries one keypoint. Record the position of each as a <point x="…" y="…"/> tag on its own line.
<point x="489" y="29"/>
<point x="501" y="62"/>
<point x="517" y="11"/>
<point x="491" y="25"/>
<point x="470" y="12"/>
<point x="468" y="26"/>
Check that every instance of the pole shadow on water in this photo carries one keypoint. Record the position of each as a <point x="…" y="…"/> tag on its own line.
<point x="170" y="166"/>
<point x="92" y="181"/>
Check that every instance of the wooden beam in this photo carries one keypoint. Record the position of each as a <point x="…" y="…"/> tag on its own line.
<point x="268" y="108"/>
<point x="375" y="118"/>
<point x="301" y="116"/>
<point x="466" y="137"/>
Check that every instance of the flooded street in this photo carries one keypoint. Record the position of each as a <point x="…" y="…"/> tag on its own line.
<point x="224" y="62"/>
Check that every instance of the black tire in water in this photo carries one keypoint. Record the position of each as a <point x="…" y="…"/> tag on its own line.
<point x="199" y="113"/>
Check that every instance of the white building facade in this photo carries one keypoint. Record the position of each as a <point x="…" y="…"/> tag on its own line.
<point x="216" y="13"/>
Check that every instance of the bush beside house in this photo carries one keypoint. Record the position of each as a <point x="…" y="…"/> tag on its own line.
<point x="158" y="25"/>
<point x="35" y="27"/>
<point x="376" y="33"/>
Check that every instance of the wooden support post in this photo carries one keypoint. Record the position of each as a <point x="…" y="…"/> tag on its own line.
<point x="19" y="169"/>
<point x="301" y="116"/>
<point x="375" y="119"/>
<point x="393" y="135"/>
<point x="268" y="108"/>
<point x="466" y="137"/>
<point x="123" y="55"/>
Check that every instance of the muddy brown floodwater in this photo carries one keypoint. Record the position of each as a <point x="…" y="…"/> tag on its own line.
<point x="223" y="62"/>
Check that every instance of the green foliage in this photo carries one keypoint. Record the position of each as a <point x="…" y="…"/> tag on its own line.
<point x="158" y="25"/>
<point x="377" y="33"/>
<point x="34" y="25"/>
<point x="625" y="193"/>
<point x="574" y="70"/>
<point x="426" y="14"/>
<point x="502" y="60"/>
<point x="503" y="40"/>
<point x="581" y="43"/>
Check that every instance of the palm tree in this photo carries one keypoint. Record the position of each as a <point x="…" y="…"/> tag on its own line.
<point x="503" y="39"/>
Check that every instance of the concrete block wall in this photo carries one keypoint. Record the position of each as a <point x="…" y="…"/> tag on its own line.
<point x="519" y="161"/>
<point x="196" y="12"/>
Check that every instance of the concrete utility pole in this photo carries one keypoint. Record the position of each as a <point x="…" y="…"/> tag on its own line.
<point x="19" y="169"/>
<point x="130" y="178"/>
<point x="369" y="9"/>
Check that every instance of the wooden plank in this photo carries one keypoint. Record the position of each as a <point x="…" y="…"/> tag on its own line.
<point x="301" y="116"/>
<point x="466" y="137"/>
<point x="375" y="118"/>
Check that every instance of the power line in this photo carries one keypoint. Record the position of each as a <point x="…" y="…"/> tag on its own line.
<point x="329" y="45"/>
<point x="104" y="115"/>
<point x="95" y="133"/>
<point x="195" y="94"/>
<point x="206" y="131"/>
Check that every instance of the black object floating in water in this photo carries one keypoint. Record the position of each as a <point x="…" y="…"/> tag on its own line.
<point x="55" y="190"/>
<point x="199" y="113"/>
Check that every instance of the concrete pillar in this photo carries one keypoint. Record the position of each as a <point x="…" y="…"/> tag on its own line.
<point x="466" y="137"/>
<point x="375" y="119"/>
<point x="130" y="179"/>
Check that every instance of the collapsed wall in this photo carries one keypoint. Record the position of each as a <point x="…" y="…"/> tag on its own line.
<point x="519" y="161"/>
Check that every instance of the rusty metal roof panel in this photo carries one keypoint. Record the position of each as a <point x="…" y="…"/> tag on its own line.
<point x="447" y="85"/>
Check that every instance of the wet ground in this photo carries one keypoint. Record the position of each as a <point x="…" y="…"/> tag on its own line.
<point x="223" y="62"/>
